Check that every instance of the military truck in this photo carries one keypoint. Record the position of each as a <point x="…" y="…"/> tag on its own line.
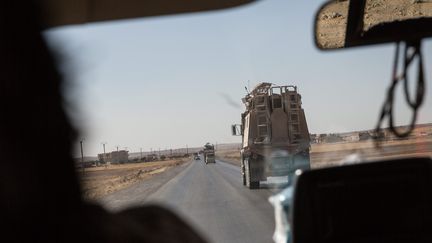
<point x="275" y="135"/>
<point x="209" y="153"/>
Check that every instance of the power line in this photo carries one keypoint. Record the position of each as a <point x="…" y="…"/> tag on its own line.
<point x="104" y="155"/>
<point x="82" y="154"/>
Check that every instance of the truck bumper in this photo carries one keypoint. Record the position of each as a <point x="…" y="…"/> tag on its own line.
<point x="283" y="166"/>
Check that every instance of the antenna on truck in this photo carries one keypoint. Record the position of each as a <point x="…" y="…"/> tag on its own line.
<point x="247" y="88"/>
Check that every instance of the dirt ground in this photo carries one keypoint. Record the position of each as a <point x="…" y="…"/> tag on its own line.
<point x="231" y="156"/>
<point x="100" y="181"/>
<point x="331" y="154"/>
<point x="332" y="20"/>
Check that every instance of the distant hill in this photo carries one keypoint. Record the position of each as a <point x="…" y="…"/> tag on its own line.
<point x="419" y="131"/>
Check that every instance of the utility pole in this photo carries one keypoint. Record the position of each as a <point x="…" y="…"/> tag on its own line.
<point x="104" y="156"/>
<point x="141" y="154"/>
<point x="82" y="154"/>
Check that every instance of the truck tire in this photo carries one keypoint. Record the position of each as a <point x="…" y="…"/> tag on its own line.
<point x="243" y="172"/>
<point x="251" y="184"/>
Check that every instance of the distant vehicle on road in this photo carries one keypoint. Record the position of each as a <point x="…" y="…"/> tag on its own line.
<point x="210" y="158"/>
<point x="209" y="153"/>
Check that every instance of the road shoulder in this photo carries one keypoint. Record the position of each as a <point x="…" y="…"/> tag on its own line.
<point x="137" y="193"/>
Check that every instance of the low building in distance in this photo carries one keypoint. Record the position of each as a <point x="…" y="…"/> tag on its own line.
<point x="114" y="157"/>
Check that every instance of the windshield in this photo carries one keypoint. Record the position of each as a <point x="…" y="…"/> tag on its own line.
<point x="147" y="94"/>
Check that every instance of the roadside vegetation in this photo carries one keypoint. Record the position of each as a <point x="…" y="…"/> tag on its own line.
<point x="97" y="182"/>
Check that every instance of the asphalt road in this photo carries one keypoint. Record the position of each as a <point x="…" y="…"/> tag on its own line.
<point x="211" y="198"/>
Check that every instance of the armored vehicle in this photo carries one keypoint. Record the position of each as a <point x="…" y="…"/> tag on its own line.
<point x="275" y="136"/>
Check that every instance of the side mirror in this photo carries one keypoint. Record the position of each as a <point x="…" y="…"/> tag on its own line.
<point x="237" y="130"/>
<point x="348" y="23"/>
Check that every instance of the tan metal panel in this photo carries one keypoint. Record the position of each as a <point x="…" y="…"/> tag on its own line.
<point x="279" y="121"/>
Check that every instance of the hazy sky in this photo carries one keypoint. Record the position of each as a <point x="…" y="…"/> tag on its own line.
<point x="166" y="82"/>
